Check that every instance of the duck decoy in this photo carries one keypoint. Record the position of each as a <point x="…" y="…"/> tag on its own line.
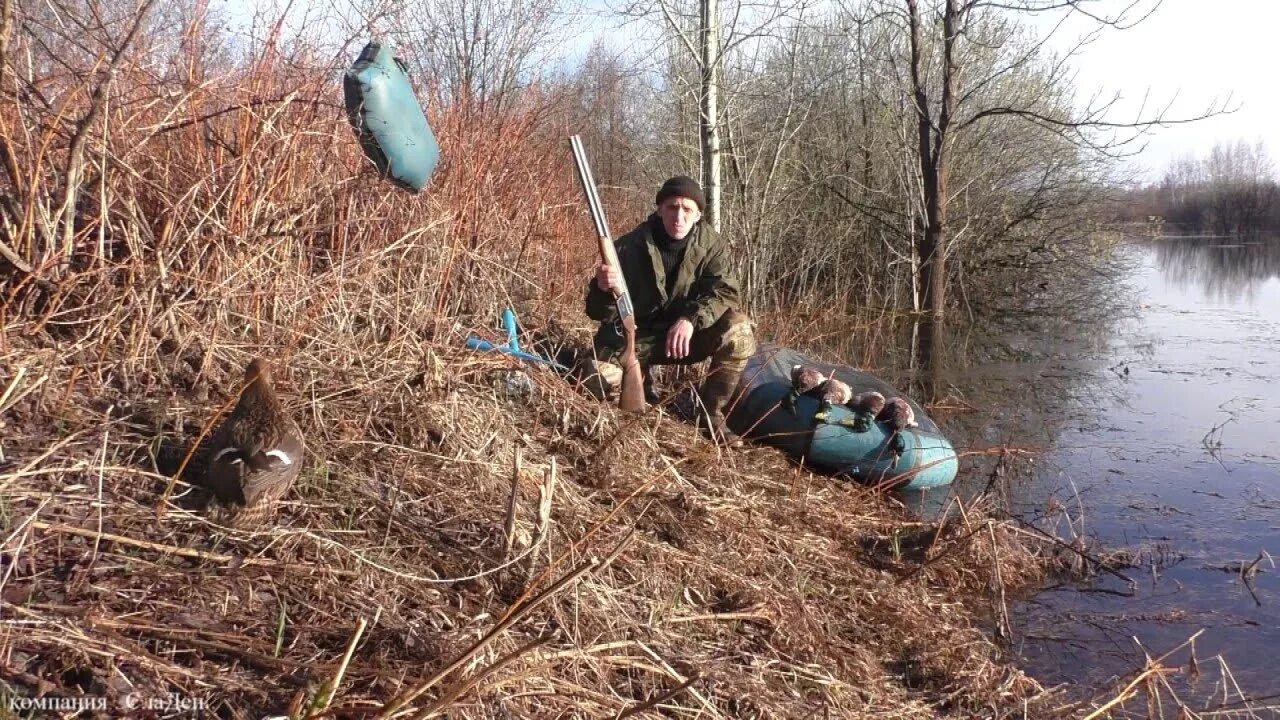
<point x="256" y="453"/>
<point x="897" y="414"/>
<point x="865" y="406"/>
<point x="833" y="392"/>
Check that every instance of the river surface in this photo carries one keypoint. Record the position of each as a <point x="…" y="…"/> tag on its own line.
<point x="1176" y="457"/>
<point x="1144" y="413"/>
<point x="1157" y="433"/>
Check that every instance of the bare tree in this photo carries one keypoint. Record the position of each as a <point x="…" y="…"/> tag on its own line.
<point x="934" y="136"/>
<point x="1231" y="191"/>
<point x="475" y="51"/>
<point x="711" y="32"/>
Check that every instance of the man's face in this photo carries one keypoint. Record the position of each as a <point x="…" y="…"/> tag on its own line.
<point x="678" y="216"/>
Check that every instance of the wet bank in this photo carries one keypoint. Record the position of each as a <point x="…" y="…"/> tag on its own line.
<point x="1175" y="457"/>
<point x="1141" y="414"/>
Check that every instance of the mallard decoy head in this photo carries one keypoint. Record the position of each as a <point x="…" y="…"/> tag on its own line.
<point x="804" y="380"/>
<point x="835" y="392"/>
<point x="870" y="402"/>
<point x="832" y="392"/>
<point x="865" y="407"/>
<point x="256" y="453"/>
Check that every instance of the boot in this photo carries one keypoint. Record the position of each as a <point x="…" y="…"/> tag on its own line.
<point x="715" y="392"/>
<point x="651" y="396"/>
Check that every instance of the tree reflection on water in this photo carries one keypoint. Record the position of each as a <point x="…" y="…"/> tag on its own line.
<point x="1225" y="270"/>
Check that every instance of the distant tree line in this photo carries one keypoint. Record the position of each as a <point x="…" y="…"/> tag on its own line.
<point x="1231" y="191"/>
<point x="880" y="154"/>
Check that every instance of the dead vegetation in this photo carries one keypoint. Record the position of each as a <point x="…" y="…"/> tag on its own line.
<point x="639" y="572"/>
<point x="452" y="547"/>
<point x="638" y="561"/>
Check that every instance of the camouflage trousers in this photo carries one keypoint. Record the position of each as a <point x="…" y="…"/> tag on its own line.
<point x="729" y="343"/>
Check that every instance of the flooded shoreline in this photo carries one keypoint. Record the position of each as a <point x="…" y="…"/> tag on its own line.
<point x="1178" y="464"/>
<point x="1151" y="417"/>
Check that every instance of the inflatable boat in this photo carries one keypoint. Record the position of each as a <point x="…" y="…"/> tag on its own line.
<point x="915" y="458"/>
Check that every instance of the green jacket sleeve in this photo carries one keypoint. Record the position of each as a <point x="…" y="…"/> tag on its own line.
<point x="601" y="305"/>
<point x="714" y="291"/>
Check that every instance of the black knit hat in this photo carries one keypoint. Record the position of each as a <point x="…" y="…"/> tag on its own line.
<point x="682" y="186"/>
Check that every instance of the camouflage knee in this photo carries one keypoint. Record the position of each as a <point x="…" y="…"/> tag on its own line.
<point x="738" y="342"/>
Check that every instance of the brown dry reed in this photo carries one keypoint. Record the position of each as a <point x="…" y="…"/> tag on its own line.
<point x="450" y="549"/>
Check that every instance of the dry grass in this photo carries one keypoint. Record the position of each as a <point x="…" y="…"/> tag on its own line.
<point x="641" y="572"/>
<point x="756" y="589"/>
<point x="752" y="587"/>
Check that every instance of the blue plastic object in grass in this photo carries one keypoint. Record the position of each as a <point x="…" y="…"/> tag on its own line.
<point x="512" y="346"/>
<point x="509" y="322"/>
<point x="386" y="116"/>
<point x="475" y="343"/>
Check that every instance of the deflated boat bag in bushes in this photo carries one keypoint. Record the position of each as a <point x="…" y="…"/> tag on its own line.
<point x="387" y="118"/>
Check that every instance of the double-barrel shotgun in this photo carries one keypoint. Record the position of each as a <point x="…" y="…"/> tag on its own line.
<point x="632" y="397"/>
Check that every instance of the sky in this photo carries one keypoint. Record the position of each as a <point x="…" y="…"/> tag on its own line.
<point x="1194" y="53"/>
<point x="1189" y="55"/>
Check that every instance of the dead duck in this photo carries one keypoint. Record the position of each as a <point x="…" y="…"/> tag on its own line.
<point x="833" y="392"/>
<point x="256" y="453"/>
<point x="865" y="406"/>
<point x="897" y="414"/>
<point x="804" y="381"/>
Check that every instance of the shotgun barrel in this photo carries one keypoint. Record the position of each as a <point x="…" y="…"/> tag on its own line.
<point x="632" y="395"/>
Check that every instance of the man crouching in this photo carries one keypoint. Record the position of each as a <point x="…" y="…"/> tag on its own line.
<point x="687" y="302"/>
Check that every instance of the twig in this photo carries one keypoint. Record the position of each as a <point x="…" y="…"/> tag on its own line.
<point x="161" y="506"/>
<point x="331" y="688"/>
<point x="79" y="138"/>
<point x="1153" y="668"/>
<point x="959" y="542"/>
<point x="462" y="688"/>
<point x="12" y="256"/>
<point x="509" y="526"/>
<point x="101" y="464"/>
<point x="1125" y="693"/>
<point x="719" y="617"/>
<point x="593" y="530"/>
<point x="184" y="552"/>
<point x="664" y="697"/>
<point x="515" y="614"/>
<point x="56" y="447"/>
<point x="1002" y="627"/>
<point x="546" y="495"/>
<point x="411" y="576"/>
<point x="1027" y="528"/>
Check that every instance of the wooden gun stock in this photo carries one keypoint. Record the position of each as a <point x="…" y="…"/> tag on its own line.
<point x="632" y="397"/>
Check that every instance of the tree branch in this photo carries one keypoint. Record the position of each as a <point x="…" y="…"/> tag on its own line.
<point x="6" y="26"/>
<point x="666" y="12"/>
<point x="80" y="138"/>
<point x="1159" y="121"/>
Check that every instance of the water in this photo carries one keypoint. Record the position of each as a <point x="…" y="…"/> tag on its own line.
<point x="1160" y="435"/>
<point x="1149" y="400"/>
